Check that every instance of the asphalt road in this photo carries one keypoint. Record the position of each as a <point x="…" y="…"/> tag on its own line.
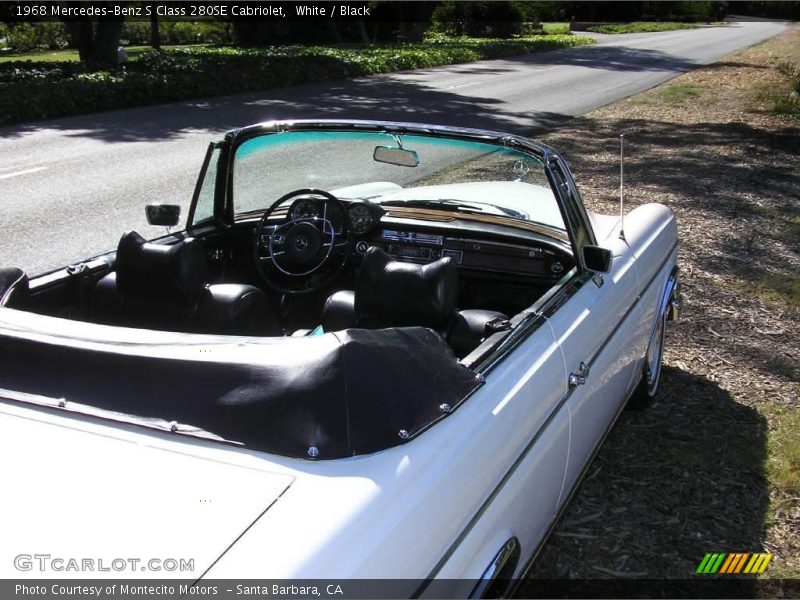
<point x="69" y="187"/>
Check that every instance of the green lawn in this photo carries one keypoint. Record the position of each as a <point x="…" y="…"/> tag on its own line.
<point x="679" y="93"/>
<point x="72" y="55"/>
<point x="555" y="28"/>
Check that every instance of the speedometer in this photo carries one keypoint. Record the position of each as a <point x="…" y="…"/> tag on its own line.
<point x="361" y="219"/>
<point x="304" y="209"/>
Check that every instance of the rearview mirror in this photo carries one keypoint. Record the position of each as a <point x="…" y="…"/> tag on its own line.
<point x="597" y="258"/>
<point x="396" y="156"/>
<point x="166" y="215"/>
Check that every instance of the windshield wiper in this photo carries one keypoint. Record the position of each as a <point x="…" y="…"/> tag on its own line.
<point x="453" y="205"/>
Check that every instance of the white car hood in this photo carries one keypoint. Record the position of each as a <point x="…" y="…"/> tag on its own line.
<point x="78" y="489"/>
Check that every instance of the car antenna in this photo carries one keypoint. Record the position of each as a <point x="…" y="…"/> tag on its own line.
<point x="621" y="187"/>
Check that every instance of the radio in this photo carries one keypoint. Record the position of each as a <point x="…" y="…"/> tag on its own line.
<point x="412" y="252"/>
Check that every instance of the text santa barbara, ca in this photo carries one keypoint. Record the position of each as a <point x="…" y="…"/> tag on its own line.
<point x="284" y="590"/>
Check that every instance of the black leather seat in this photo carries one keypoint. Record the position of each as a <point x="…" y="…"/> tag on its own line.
<point x="166" y="287"/>
<point x="391" y="293"/>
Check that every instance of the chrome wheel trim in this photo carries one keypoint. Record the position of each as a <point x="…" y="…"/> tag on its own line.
<point x="654" y="357"/>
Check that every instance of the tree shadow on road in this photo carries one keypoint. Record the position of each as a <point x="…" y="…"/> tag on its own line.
<point x="400" y="97"/>
<point x="373" y="98"/>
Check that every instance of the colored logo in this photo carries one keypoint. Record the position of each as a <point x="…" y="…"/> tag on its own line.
<point x="735" y="562"/>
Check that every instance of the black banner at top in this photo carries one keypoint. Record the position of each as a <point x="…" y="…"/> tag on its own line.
<point x="190" y="10"/>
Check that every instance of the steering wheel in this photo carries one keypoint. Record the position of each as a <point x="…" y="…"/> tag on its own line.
<point x="303" y="255"/>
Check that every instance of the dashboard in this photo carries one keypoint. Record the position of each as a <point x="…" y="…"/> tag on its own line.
<point x="472" y="253"/>
<point x="473" y="248"/>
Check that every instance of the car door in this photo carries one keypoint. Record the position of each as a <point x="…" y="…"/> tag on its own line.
<point x="595" y="341"/>
<point x="597" y="331"/>
<point x="527" y="413"/>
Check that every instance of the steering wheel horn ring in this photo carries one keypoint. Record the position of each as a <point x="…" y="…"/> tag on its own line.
<point x="300" y="247"/>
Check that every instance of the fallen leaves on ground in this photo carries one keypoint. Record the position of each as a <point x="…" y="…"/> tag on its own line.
<point x="691" y="474"/>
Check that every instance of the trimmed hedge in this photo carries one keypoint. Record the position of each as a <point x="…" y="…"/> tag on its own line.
<point x="639" y="27"/>
<point x="31" y="91"/>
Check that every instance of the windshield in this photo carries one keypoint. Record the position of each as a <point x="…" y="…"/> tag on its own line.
<point x="415" y="170"/>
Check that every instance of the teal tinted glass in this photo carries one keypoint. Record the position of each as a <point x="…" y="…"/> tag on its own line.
<point x="504" y="180"/>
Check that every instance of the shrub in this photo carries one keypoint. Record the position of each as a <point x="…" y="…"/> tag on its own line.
<point x="792" y="72"/>
<point x="788" y="103"/>
<point x="52" y="89"/>
<point x="137" y="33"/>
<point x="22" y="37"/>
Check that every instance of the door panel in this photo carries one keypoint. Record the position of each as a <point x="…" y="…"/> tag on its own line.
<point x="518" y="455"/>
<point x="598" y="332"/>
<point x="523" y="508"/>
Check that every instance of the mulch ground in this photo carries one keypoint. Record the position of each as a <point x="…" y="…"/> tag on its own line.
<point x="691" y="474"/>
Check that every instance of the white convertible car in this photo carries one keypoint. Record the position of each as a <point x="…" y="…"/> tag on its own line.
<point x="376" y="351"/>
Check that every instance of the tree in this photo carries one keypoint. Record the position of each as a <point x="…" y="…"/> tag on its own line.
<point x="155" y="34"/>
<point x="97" y="39"/>
<point x="478" y="19"/>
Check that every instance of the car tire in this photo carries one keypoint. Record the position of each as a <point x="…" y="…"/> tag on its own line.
<point x="645" y="392"/>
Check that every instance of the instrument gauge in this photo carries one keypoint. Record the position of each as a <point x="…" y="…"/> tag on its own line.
<point x="304" y="209"/>
<point x="361" y="219"/>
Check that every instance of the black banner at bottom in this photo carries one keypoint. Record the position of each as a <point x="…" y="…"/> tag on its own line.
<point x="390" y="589"/>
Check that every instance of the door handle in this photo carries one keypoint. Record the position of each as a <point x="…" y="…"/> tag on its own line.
<point x="578" y="377"/>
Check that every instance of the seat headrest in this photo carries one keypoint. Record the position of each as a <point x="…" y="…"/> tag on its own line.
<point x="397" y="293"/>
<point x="159" y="272"/>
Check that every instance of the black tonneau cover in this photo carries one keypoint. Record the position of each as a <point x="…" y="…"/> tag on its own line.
<point x="343" y="393"/>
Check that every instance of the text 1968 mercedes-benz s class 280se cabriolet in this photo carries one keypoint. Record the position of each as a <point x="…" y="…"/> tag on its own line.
<point x="377" y="351"/>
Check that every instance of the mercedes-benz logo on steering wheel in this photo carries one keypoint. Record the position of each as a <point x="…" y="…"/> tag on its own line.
<point x="301" y="242"/>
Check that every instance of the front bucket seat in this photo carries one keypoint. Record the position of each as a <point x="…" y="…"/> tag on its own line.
<point x="391" y="293"/>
